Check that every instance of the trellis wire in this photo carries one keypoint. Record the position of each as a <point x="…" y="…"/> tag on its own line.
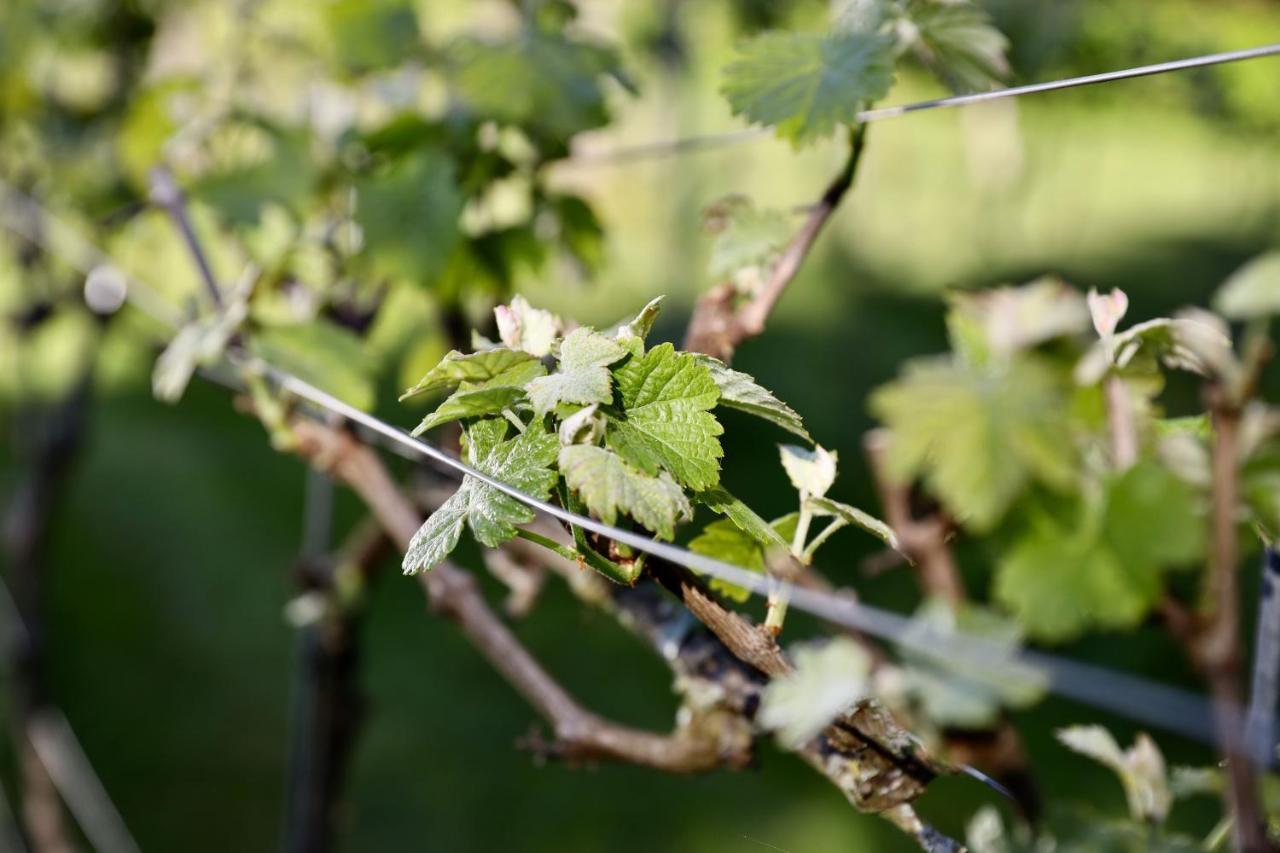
<point x="1161" y="705"/>
<point x="691" y="144"/>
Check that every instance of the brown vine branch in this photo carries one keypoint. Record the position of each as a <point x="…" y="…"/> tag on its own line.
<point x="579" y="734"/>
<point x="1216" y="646"/>
<point x="923" y="540"/>
<point x="719" y="324"/>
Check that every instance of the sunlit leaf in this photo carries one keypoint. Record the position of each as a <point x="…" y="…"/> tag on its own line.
<point x="740" y="391"/>
<point x="524" y="462"/>
<point x="666" y="421"/>
<point x="1253" y="290"/>
<point x="807" y="85"/>
<point x="610" y="487"/>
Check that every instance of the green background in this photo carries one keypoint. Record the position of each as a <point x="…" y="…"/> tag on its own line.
<point x="171" y="560"/>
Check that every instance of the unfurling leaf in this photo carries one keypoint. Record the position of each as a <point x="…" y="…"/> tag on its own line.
<point x="1107" y="311"/>
<point x="495" y="367"/>
<point x="807" y="85"/>
<point x="525" y="462"/>
<point x="640" y="325"/>
<point x="811" y="471"/>
<point x="666" y="421"/>
<point x="740" y="391"/>
<point x="827" y="681"/>
<point x="528" y="329"/>
<point x="1141" y="768"/>
<point x="488" y="382"/>
<point x="583" y="375"/>
<point x="1252" y="291"/>
<point x="610" y="487"/>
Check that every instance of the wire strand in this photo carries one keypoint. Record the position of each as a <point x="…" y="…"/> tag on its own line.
<point x="694" y="144"/>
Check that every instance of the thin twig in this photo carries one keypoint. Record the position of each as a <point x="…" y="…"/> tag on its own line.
<point x="166" y="194"/>
<point x="718" y="325"/>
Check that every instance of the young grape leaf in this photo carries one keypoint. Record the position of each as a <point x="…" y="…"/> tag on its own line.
<point x="471" y="403"/>
<point x="811" y="471"/>
<point x="524" y="462"/>
<point x="366" y="36"/>
<point x="528" y="329"/>
<point x="1106" y="571"/>
<point x="666" y="421"/>
<point x="583" y="376"/>
<point x="807" y="85"/>
<point x="1252" y="291"/>
<point x="488" y="382"/>
<point x="859" y="16"/>
<point x="494" y="367"/>
<point x="739" y="390"/>
<point x="609" y="487"/>
<point x="1141" y="768"/>
<point x="409" y="217"/>
<point x="827" y="681"/>
<point x="956" y="40"/>
<point x="846" y="514"/>
<point x="977" y="435"/>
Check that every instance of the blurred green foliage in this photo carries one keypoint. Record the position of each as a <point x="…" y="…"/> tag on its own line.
<point x="364" y="151"/>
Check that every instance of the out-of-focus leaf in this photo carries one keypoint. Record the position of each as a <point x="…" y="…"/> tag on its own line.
<point x="281" y="174"/>
<point x="827" y="681"/>
<point x="153" y="115"/>
<point x="978" y="435"/>
<point x="1252" y="291"/>
<point x="1194" y="343"/>
<point x="748" y="237"/>
<point x="609" y="486"/>
<point x="409" y="216"/>
<point x="539" y="79"/>
<point x="1005" y="320"/>
<point x="1107" y="570"/>
<point x="956" y="689"/>
<point x="323" y="354"/>
<point x="524" y="462"/>
<point x="365" y="35"/>
<point x="740" y="391"/>
<point x="807" y="85"/>
<point x="956" y="39"/>
<point x="666" y="421"/>
<point x="1140" y="768"/>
